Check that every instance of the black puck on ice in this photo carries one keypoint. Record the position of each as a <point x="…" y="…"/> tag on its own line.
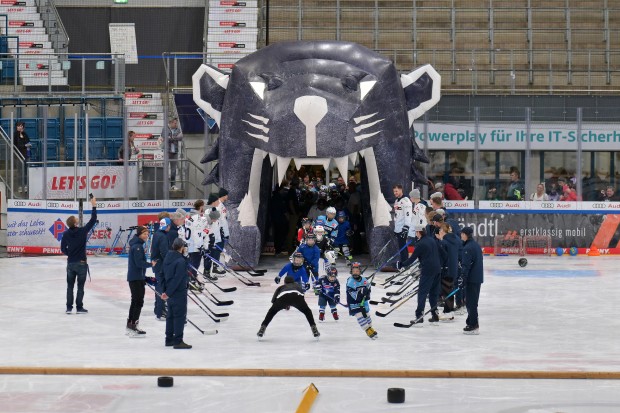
<point x="522" y="262"/>
<point x="165" y="381"/>
<point x="396" y="395"/>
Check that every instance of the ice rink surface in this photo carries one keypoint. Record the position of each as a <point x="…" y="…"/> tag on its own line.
<point x="557" y="314"/>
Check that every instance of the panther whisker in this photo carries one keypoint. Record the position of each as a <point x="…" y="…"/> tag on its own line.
<point x="262" y="119"/>
<point x="367" y="125"/>
<point x="363" y="118"/>
<point x="257" y="126"/>
<point x="261" y="137"/>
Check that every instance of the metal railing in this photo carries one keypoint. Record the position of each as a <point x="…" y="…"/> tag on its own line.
<point x="12" y="164"/>
<point x="53" y="23"/>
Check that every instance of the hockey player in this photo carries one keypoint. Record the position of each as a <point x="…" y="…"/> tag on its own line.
<point x="311" y="254"/>
<point x="222" y="227"/>
<point x="325" y="244"/>
<point x="341" y="241"/>
<point x="159" y="250"/>
<point x="193" y="235"/>
<point x="418" y="212"/>
<point x="402" y="219"/>
<point x="212" y="235"/>
<point x="329" y="292"/>
<point x="330" y="225"/>
<point x="306" y="228"/>
<point x="358" y="295"/>
<point x="288" y="295"/>
<point x="175" y="270"/>
<point x="295" y="270"/>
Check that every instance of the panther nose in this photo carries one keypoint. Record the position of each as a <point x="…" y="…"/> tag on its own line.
<point x="310" y="110"/>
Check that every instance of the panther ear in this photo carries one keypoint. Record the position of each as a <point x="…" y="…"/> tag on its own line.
<point x="422" y="91"/>
<point x="209" y="86"/>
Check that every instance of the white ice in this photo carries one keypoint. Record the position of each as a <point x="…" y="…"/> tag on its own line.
<point x="557" y="314"/>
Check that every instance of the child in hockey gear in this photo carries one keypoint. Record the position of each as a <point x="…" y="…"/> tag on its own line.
<point x="296" y="271"/>
<point x="311" y="254"/>
<point x="136" y="271"/>
<point x="288" y="295"/>
<point x="330" y="225"/>
<point x="358" y="295"/>
<point x="175" y="271"/>
<point x="341" y="241"/>
<point x="306" y="228"/>
<point x="329" y="292"/>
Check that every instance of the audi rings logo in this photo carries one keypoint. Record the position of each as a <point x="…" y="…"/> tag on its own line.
<point x="599" y="205"/>
<point x="100" y="204"/>
<point x="497" y="204"/>
<point x="138" y="204"/>
<point x="53" y="204"/>
<point x="177" y="204"/>
<point x="547" y="205"/>
<point x="20" y="203"/>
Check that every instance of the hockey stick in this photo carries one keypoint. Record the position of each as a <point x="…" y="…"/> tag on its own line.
<point x="403" y="287"/>
<point x="116" y="239"/>
<point x="412" y="322"/>
<point x="207" y="332"/>
<point x="224" y="290"/>
<point x="329" y="299"/>
<point x="403" y="271"/>
<point x="216" y="320"/>
<point x="243" y="259"/>
<point x="253" y="274"/>
<point x="388" y="260"/>
<point x="403" y="300"/>
<point x="219" y="315"/>
<point x="384" y="247"/>
<point x="206" y="292"/>
<point x="393" y="301"/>
<point x="241" y="278"/>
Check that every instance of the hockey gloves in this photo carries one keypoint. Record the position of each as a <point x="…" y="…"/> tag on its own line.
<point x="151" y="281"/>
<point x="405" y="232"/>
<point x="336" y="298"/>
<point x="306" y="286"/>
<point x="277" y="280"/>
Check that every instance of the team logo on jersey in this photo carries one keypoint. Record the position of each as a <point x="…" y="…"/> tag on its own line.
<point x="57" y="229"/>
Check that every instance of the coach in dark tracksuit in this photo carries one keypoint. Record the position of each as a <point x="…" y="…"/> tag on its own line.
<point x="73" y="245"/>
<point x="175" y="271"/>
<point x="473" y="277"/>
<point x="427" y="251"/>
<point x="136" y="270"/>
<point x="159" y="249"/>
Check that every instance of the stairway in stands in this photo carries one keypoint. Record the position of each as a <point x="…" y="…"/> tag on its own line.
<point x="38" y="61"/>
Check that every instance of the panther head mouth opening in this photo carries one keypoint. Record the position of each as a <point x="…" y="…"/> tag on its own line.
<point x="328" y="103"/>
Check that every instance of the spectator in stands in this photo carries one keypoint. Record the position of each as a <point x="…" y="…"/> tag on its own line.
<point x="175" y="136"/>
<point x="492" y="194"/>
<point x="451" y="190"/>
<point x="515" y="191"/>
<point x="132" y="147"/>
<point x="609" y="194"/>
<point x="540" y="194"/>
<point x="22" y="145"/>
<point x="554" y="194"/>
<point x="569" y="193"/>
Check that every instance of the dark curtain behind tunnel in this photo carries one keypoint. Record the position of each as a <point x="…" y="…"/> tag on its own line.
<point x="158" y="30"/>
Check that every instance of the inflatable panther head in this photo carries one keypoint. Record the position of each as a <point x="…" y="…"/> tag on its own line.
<point x="335" y="104"/>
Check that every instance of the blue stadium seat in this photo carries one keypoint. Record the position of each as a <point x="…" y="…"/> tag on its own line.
<point x="112" y="146"/>
<point x="114" y="128"/>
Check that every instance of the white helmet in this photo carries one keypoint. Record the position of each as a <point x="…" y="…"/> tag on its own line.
<point x="319" y="231"/>
<point x="330" y="256"/>
<point x="331" y="210"/>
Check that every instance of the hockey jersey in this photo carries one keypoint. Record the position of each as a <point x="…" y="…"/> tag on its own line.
<point x="358" y="294"/>
<point x="223" y="220"/>
<point x="193" y="233"/>
<point x="330" y="225"/>
<point x="341" y="236"/>
<point x="402" y="214"/>
<point x="300" y="275"/>
<point x="311" y="254"/>
<point x="418" y="217"/>
<point x="331" y="289"/>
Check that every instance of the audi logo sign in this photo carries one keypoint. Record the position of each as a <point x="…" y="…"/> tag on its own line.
<point x="19" y="203"/>
<point x="138" y="204"/>
<point x="549" y="205"/>
<point x="497" y="204"/>
<point x="178" y="204"/>
<point x="599" y="206"/>
<point x="53" y="204"/>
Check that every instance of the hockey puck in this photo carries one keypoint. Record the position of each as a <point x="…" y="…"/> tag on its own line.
<point x="165" y="381"/>
<point x="396" y="395"/>
<point x="522" y="262"/>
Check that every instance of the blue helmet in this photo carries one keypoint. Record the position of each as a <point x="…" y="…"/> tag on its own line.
<point x="341" y="214"/>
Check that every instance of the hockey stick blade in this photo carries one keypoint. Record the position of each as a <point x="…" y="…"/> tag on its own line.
<point x="403" y="325"/>
<point x="224" y="290"/>
<point x="412" y="322"/>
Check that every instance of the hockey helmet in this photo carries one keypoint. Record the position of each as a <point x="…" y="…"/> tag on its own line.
<point x="330" y="211"/>
<point x="319" y="230"/>
<point x="341" y="215"/>
<point x="356" y="268"/>
<point x="311" y="239"/>
<point x="323" y="188"/>
<point x="332" y="273"/>
<point x="298" y="259"/>
<point x="330" y="256"/>
<point x="305" y="221"/>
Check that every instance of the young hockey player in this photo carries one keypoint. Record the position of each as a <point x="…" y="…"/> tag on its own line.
<point x="341" y="241"/>
<point x="329" y="292"/>
<point x="296" y="271"/>
<point x="288" y="295"/>
<point x="311" y="254"/>
<point x="330" y="225"/>
<point x="325" y="244"/>
<point x="306" y="228"/>
<point x="358" y="295"/>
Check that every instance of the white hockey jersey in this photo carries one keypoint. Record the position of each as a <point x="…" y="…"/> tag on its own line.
<point x="223" y="221"/>
<point x="418" y="217"/>
<point x="193" y="234"/>
<point x="402" y="214"/>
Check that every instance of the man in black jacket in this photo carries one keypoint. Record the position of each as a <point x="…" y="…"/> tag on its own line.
<point x="159" y="249"/>
<point x="473" y="277"/>
<point x="73" y="245"/>
<point x="286" y="296"/>
<point x="175" y="271"/>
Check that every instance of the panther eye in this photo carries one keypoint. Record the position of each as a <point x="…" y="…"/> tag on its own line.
<point x="273" y="81"/>
<point x="350" y="83"/>
<point x="259" y="88"/>
<point x="366" y="86"/>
